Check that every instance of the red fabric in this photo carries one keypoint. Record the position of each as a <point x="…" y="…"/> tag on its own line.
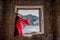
<point x="19" y="26"/>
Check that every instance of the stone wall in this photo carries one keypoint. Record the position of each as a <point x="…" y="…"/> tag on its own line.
<point x="57" y="11"/>
<point x="1" y="4"/>
<point x="50" y="22"/>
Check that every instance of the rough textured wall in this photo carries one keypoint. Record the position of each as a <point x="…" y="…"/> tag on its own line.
<point x="1" y="7"/>
<point x="57" y="11"/>
<point x="8" y="19"/>
<point x="0" y="11"/>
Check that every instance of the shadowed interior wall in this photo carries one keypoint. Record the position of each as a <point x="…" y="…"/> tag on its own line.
<point x="1" y="4"/>
<point x="57" y="11"/>
<point x="8" y="18"/>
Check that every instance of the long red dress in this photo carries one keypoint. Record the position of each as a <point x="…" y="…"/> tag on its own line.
<point x="18" y="26"/>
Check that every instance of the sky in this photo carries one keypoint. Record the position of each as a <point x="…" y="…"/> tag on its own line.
<point x="27" y="12"/>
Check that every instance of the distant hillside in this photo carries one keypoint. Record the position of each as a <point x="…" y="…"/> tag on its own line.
<point x="31" y="17"/>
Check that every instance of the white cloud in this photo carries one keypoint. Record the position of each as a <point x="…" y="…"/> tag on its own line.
<point x="27" y="12"/>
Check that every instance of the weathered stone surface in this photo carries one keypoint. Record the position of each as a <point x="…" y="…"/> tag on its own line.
<point x="51" y="19"/>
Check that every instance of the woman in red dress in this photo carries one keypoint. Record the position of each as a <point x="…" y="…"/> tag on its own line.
<point x="18" y="26"/>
